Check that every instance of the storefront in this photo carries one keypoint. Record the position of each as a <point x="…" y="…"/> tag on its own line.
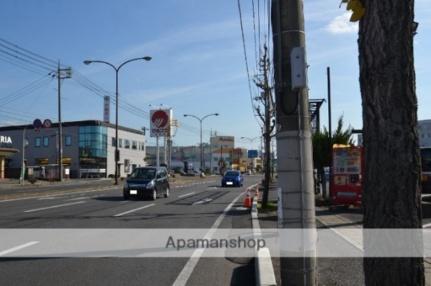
<point x="5" y="153"/>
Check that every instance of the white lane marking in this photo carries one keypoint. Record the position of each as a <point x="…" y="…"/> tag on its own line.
<point x="80" y="198"/>
<point x="134" y="210"/>
<point x="19" y="247"/>
<point x="186" y="195"/>
<point x="207" y="200"/>
<point x="59" y="195"/>
<point x="54" y="207"/>
<point x="187" y="271"/>
<point x="48" y="198"/>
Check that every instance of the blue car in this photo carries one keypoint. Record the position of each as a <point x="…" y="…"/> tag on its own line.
<point x="232" y="178"/>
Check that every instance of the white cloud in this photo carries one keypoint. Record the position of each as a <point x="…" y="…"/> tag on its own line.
<point x="342" y="25"/>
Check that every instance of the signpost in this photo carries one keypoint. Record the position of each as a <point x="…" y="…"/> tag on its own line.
<point x="160" y="125"/>
<point x="252" y="154"/>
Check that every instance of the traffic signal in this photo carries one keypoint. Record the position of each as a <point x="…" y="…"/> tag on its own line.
<point x="356" y="7"/>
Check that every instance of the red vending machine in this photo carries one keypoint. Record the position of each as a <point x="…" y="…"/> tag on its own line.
<point x="347" y="174"/>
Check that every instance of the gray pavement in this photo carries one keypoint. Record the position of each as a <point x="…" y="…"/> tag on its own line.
<point x="98" y="209"/>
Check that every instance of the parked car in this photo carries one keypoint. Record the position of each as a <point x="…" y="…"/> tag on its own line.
<point x="232" y="178"/>
<point x="148" y="182"/>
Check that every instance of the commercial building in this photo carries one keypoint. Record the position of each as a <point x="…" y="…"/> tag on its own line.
<point x="88" y="149"/>
<point x="424" y="127"/>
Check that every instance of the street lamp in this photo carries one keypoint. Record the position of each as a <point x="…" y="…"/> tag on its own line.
<point x="117" y="69"/>
<point x="200" y="121"/>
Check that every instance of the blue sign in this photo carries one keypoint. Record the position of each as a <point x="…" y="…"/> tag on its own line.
<point x="252" y="154"/>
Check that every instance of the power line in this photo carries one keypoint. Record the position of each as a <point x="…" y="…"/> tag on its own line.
<point x="26" y="90"/>
<point x="246" y="60"/>
<point x="51" y="61"/>
<point x="27" y="60"/>
<point x="20" y="65"/>
<point x="254" y="36"/>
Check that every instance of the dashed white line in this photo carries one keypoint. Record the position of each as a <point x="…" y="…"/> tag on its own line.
<point x="186" y="195"/>
<point x="53" y="207"/>
<point x="79" y="198"/>
<point x="134" y="210"/>
<point x="19" y="247"/>
<point x="207" y="200"/>
<point x="187" y="271"/>
<point x="48" y="198"/>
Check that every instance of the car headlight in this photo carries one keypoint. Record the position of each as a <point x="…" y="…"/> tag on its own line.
<point x="150" y="185"/>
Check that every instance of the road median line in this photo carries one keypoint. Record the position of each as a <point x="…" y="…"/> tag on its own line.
<point x="134" y="210"/>
<point x="54" y="207"/>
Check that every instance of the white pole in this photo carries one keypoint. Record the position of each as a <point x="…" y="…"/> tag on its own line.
<point x="21" y="178"/>
<point x="158" y="152"/>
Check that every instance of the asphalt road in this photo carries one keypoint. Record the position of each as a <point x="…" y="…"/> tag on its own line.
<point x="190" y="206"/>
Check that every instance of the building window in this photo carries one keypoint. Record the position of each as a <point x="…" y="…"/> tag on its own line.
<point x="113" y="142"/>
<point x="126" y="144"/>
<point x="45" y="141"/>
<point x="120" y="143"/>
<point x="93" y="147"/>
<point x="68" y="140"/>
<point x="37" y="142"/>
<point x="134" y="145"/>
<point x="126" y="165"/>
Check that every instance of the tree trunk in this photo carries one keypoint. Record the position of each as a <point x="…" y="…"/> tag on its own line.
<point x="391" y="196"/>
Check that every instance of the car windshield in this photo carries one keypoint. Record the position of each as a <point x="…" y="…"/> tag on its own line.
<point x="144" y="174"/>
<point x="231" y="174"/>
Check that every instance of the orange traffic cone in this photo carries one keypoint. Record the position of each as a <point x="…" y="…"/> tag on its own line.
<point x="247" y="200"/>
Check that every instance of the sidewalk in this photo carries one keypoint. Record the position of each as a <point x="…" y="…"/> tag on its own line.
<point x="330" y="271"/>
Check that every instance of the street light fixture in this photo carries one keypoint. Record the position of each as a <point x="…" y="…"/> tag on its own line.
<point x="200" y="121"/>
<point x="117" y="69"/>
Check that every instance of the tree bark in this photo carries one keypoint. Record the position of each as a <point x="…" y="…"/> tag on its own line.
<point x="391" y="197"/>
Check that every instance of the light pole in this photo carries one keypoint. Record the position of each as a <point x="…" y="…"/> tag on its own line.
<point x="117" y="69"/>
<point x="201" y="119"/>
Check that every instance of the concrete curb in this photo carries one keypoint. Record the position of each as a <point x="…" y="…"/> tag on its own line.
<point x="263" y="267"/>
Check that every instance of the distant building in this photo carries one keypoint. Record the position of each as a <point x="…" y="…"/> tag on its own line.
<point x="88" y="149"/>
<point x="424" y="127"/>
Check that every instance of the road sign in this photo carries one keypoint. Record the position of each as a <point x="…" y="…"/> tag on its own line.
<point x="252" y="154"/>
<point x="47" y="123"/>
<point x="160" y="122"/>
<point x="37" y="124"/>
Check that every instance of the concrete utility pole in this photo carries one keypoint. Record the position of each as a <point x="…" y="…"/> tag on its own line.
<point x="61" y="74"/>
<point x="22" y="176"/>
<point x="294" y="149"/>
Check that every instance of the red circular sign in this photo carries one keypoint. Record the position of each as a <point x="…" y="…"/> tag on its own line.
<point x="160" y="119"/>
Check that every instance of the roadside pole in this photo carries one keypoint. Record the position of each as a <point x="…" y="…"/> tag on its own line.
<point x="61" y="74"/>
<point x="165" y="153"/>
<point x="157" y="151"/>
<point x="328" y="74"/>
<point x="22" y="176"/>
<point x="294" y="146"/>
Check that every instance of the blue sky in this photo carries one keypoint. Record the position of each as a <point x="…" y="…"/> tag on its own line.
<point x="198" y="61"/>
